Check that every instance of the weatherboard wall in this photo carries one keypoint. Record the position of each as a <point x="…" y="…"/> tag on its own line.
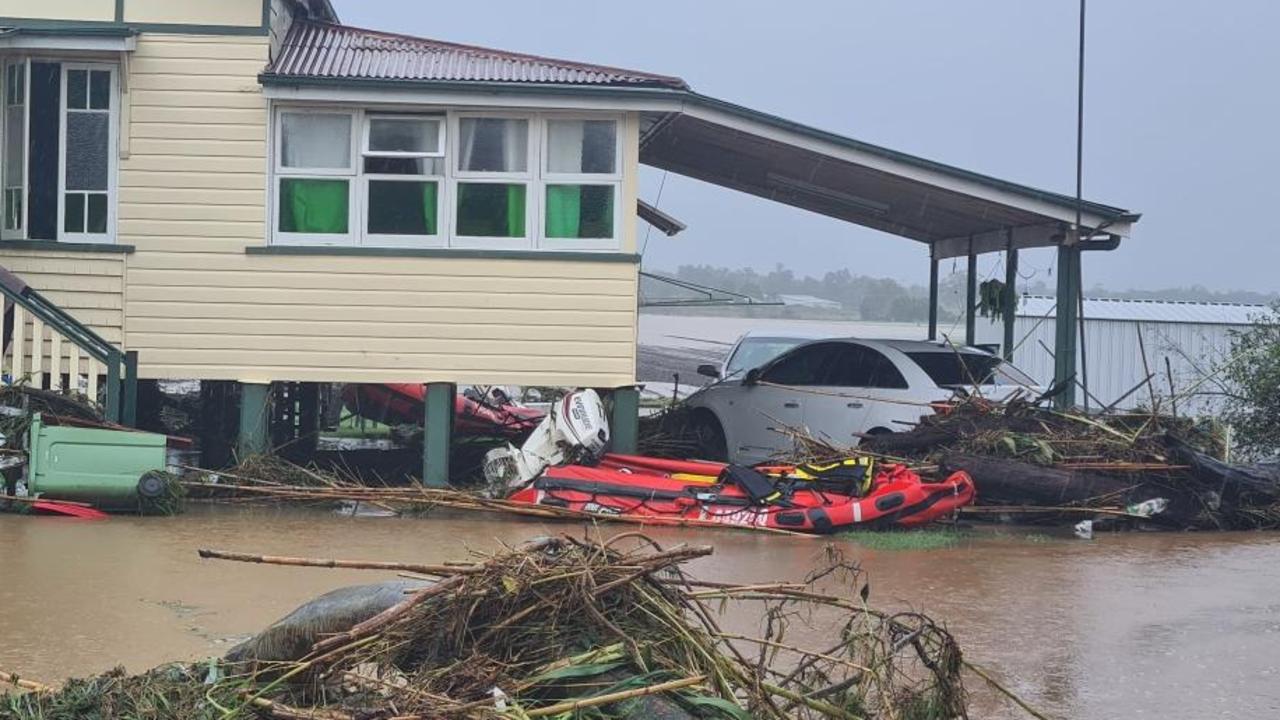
<point x="198" y="305"/>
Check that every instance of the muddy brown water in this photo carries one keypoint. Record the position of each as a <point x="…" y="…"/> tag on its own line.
<point x="1123" y="626"/>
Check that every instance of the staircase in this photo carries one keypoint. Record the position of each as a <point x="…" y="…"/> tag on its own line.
<point x="41" y="339"/>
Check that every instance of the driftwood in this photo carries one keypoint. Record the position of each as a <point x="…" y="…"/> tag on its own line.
<point x="1017" y="483"/>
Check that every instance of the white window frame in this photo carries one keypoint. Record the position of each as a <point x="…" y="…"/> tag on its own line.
<point x="280" y="172"/>
<point x="113" y="152"/>
<point x="614" y="180"/>
<point x="528" y="178"/>
<point x="440" y="238"/>
<point x="19" y="233"/>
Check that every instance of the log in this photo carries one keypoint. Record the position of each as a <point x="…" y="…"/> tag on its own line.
<point x="329" y="563"/>
<point x="1009" y="482"/>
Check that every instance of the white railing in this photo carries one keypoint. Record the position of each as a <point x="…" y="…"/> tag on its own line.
<point x="36" y="349"/>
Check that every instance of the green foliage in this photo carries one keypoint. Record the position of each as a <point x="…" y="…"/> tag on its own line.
<point x="924" y="539"/>
<point x="1252" y="375"/>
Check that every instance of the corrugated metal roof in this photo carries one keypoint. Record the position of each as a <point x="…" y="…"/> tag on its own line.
<point x="1166" y="311"/>
<point x="323" y="50"/>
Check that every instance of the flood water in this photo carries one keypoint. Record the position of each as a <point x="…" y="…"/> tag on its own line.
<point x="1123" y="626"/>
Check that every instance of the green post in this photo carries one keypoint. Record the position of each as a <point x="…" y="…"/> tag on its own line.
<point x="114" y="360"/>
<point x="971" y="299"/>
<point x="255" y="399"/>
<point x="438" y="434"/>
<point x="131" y="388"/>
<point x="933" y="293"/>
<point x="624" y="425"/>
<point x="1065" y="330"/>
<point x="1010" y="296"/>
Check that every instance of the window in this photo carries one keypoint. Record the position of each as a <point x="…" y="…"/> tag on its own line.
<point x="950" y="369"/>
<point x="756" y="351"/>
<point x="314" y="172"/>
<point x="403" y="172"/>
<point x="493" y="185"/>
<point x="460" y="179"/>
<point x="806" y="365"/>
<point x="58" y="155"/>
<point x="861" y="366"/>
<point x="13" y="174"/>
<point x="583" y="181"/>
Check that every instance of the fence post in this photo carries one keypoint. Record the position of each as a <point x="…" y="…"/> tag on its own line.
<point x="131" y="388"/>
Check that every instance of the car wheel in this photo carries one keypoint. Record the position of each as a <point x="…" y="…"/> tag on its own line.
<point x="710" y="437"/>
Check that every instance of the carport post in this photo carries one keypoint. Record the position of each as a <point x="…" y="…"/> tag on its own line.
<point x="1010" y="295"/>
<point x="1065" y="330"/>
<point x="933" y="292"/>
<point x="624" y="424"/>
<point x="437" y="433"/>
<point x="255" y="419"/>
<point x="971" y="298"/>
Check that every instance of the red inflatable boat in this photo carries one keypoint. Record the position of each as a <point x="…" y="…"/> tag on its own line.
<point x="397" y="404"/>
<point x="803" y="499"/>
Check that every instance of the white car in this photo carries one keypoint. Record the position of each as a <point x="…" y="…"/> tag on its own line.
<point x="837" y="390"/>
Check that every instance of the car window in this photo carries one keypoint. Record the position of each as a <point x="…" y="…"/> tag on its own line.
<point x="955" y="369"/>
<point x="756" y="351"/>
<point x="805" y="365"/>
<point x="861" y="366"/>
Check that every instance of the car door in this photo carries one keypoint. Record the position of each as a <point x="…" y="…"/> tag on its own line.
<point x="776" y="400"/>
<point x="862" y="390"/>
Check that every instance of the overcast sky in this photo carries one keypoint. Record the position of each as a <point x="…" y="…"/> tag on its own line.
<point x="1182" y="113"/>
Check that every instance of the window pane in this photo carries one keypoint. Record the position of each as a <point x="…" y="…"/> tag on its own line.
<point x="77" y="89"/>
<point x="397" y="207"/>
<point x="313" y="206"/>
<point x="315" y="140"/>
<point x="407" y="136"/>
<point x="491" y="210"/>
<point x="493" y="145"/>
<point x="96" y="213"/>
<point x="100" y="90"/>
<point x="579" y="211"/>
<point x="87" y="158"/>
<point x="13" y="209"/>
<point x="582" y="146"/>
<point x="73" y="220"/>
<point x="14" y="147"/>
<point x="403" y="166"/>
<point x="15" y="84"/>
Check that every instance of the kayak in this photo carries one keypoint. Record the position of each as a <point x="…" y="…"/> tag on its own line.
<point x="671" y="492"/>
<point x="53" y="507"/>
<point x="401" y="404"/>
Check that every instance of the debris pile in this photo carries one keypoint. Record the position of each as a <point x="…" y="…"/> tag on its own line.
<point x="566" y="628"/>
<point x="1161" y="469"/>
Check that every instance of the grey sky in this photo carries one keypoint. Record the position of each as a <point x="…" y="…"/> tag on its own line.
<point x="1183" y="112"/>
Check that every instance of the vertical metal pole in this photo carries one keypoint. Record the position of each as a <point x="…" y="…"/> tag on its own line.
<point x="933" y="292"/>
<point x="438" y="434"/>
<point x="1010" y="295"/>
<point x="131" y="388"/>
<point x="1077" y="298"/>
<point x="114" y="361"/>
<point x="971" y="298"/>
<point x="624" y="430"/>
<point x="1065" y="329"/>
<point x="253" y="435"/>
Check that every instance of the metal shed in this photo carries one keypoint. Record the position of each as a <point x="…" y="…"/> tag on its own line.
<point x="1179" y="339"/>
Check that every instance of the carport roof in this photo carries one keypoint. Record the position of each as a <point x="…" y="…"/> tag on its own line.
<point x="953" y="210"/>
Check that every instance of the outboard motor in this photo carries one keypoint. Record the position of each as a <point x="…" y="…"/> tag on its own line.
<point x="576" y="430"/>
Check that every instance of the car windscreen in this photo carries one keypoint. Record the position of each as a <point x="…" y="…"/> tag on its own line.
<point x="957" y="369"/>
<point x="756" y="351"/>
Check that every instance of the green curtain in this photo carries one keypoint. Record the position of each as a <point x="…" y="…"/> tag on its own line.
<point x="564" y="211"/>
<point x="314" y="206"/>
<point x="515" y="211"/>
<point x="430" y="211"/>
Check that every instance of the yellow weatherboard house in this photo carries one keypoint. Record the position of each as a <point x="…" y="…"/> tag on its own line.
<point x="249" y="191"/>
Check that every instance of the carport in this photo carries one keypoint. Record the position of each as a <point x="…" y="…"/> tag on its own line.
<point x="954" y="211"/>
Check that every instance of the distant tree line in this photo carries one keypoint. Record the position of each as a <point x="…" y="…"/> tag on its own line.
<point x="862" y="297"/>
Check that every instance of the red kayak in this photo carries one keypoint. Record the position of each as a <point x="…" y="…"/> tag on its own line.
<point x="398" y="404"/>
<point x="671" y="491"/>
<point x="53" y="507"/>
